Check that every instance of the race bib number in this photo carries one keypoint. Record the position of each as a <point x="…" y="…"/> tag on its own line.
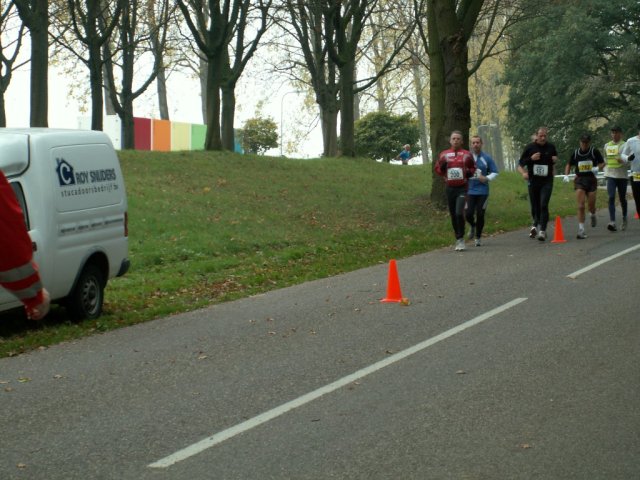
<point x="454" y="174"/>
<point x="612" y="150"/>
<point x="541" y="170"/>
<point x="636" y="176"/>
<point x="585" y="166"/>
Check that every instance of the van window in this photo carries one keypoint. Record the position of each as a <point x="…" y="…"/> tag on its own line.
<point x="17" y="188"/>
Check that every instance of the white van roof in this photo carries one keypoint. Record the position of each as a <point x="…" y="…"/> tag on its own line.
<point x="15" y="144"/>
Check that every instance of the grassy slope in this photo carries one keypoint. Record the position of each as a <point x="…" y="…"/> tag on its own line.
<point x="211" y="227"/>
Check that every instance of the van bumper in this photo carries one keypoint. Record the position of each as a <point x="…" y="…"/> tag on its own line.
<point x="124" y="267"/>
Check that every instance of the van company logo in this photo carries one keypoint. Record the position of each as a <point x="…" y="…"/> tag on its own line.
<point x="65" y="172"/>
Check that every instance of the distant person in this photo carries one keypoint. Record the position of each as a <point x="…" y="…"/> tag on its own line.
<point x="18" y="272"/>
<point x="405" y="154"/>
<point x="616" y="174"/>
<point x="456" y="166"/>
<point x="537" y="166"/>
<point x="478" y="191"/>
<point x="586" y="162"/>
<point x="631" y="154"/>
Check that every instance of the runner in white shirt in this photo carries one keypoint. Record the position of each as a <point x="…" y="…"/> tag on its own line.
<point x="616" y="174"/>
<point x="630" y="153"/>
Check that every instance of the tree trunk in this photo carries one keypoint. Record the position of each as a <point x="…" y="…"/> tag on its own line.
<point x="3" y="112"/>
<point x="347" y="141"/>
<point x="40" y="66"/>
<point x="110" y="109"/>
<point x="213" y="140"/>
<point x="161" y="83"/>
<point x="439" y="139"/>
<point x="128" y="139"/>
<point x="96" y="81"/>
<point x="228" y="114"/>
<point x="204" y="68"/>
<point x="329" y="125"/>
<point x="422" y="118"/>
<point x="458" y="104"/>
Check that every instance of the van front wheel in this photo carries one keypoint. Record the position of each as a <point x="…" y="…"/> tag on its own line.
<point x="85" y="301"/>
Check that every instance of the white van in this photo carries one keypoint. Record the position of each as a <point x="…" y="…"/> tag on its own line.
<point x="72" y="193"/>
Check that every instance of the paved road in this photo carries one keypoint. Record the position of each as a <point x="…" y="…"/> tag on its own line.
<point x="502" y="367"/>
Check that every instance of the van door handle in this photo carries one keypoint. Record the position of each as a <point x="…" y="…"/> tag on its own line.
<point x="34" y="246"/>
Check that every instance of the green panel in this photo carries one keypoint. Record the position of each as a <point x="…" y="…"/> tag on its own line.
<point x="198" y="136"/>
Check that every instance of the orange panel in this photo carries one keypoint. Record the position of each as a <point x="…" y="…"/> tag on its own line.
<point x="161" y="135"/>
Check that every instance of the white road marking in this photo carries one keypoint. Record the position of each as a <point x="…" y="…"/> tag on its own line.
<point x="575" y="275"/>
<point x="309" y="397"/>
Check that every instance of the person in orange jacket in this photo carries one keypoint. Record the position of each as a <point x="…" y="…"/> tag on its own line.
<point x="18" y="272"/>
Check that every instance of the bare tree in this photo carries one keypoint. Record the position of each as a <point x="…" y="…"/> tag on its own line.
<point x="83" y="20"/>
<point x="163" y="38"/>
<point x="134" y="40"/>
<point x="8" y="54"/>
<point x="305" y="23"/>
<point x="329" y="34"/>
<point x="214" y="26"/>
<point x="348" y="19"/>
<point x="35" y="16"/>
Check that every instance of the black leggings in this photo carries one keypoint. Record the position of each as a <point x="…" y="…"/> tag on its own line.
<point x="540" y="195"/>
<point x="619" y="184"/>
<point x="476" y="206"/>
<point x="456" y="200"/>
<point x="635" y="189"/>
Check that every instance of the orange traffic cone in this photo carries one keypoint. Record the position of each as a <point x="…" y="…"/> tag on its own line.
<point x="558" y="236"/>
<point x="636" y="217"/>
<point x="393" y="285"/>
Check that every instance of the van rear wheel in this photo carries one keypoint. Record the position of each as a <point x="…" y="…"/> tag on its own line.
<point x="86" y="299"/>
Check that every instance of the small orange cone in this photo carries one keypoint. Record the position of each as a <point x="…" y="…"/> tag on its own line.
<point x="558" y="236"/>
<point x="393" y="285"/>
<point x="636" y="217"/>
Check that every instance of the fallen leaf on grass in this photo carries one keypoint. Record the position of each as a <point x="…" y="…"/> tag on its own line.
<point x="461" y="372"/>
<point x="24" y="379"/>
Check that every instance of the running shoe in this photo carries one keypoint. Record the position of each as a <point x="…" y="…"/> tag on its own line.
<point x="542" y="235"/>
<point x="533" y="232"/>
<point x="612" y="227"/>
<point x="472" y="233"/>
<point x="594" y="221"/>
<point x="460" y="245"/>
<point x="624" y="224"/>
<point x="581" y="235"/>
<point x="478" y="243"/>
